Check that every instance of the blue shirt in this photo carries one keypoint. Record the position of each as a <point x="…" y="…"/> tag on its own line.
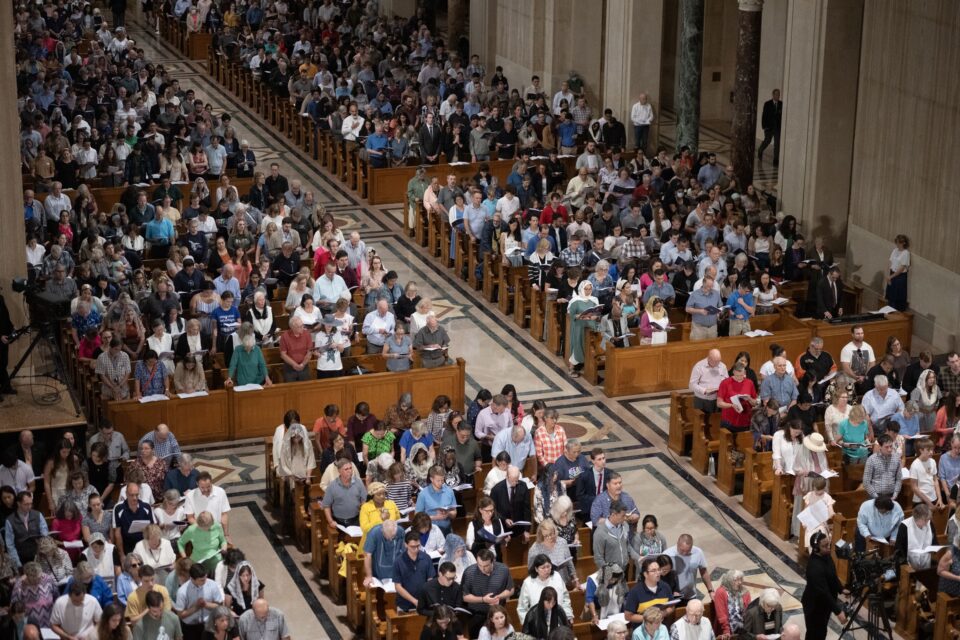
<point x="377" y="141"/>
<point x="407" y="440"/>
<point x="870" y="522"/>
<point x="232" y="285"/>
<point x="519" y="453"/>
<point x="783" y="390"/>
<point x="159" y="231"/>
<point x="383" y="553"/>
<point x="567" y="470"/>
<point x="908" y="426"/>
<point x="182" y="483"/>
<point x="567" y="133"/>
<point x="228" y="321"/>
<point x="663" y="291"/>
<point x="700" y="300"/>
<point x="601" y="505"/>
<point x="736" y="302"/>
<point x="430" y="501"/>
<point x="413" y="576"/>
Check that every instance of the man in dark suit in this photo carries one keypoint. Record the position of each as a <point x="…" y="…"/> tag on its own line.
<point x="828" y="295"/>
<point x="770" y="121"/>
<point x="431" y="140"/>
<point x="590" y="484"/>
<point x="511" y="498"/>
<point x="6" y="328"/>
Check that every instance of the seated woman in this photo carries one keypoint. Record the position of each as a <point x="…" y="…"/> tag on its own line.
<point x="497" y="473"/>
<point x="417" y="465"/>
<point x="207" y="540"/>
<point x="399" y="488"/>
<point x="37" y="591"/>
<point x="78" y="491"/>
<point x="67" y="523"/>
<point x="648" y="541"/>
<point x="497" y="626"/>
<point x="558" y="551"/>
<point x="150" y="377"/>
<point x="561" y="515"/>
<point x="456" y="553"/>
<point x="915" y="534"/>
<point x="376" y="509"/>
<point x="442" y="624"/>
<point x="243" y="589"/>
<point x="605" y="592"/>
<point x="431" y="537"/>
<point x="454" y="474"/>
<point x="764" y="616"/>
<point x="542" y="619"/>
<point x="542" y="575"/>
<point x="54" y="560"/>
<point x="188" y="376"/>
<point x="853" y="436"/>
<point x="93" y="584"/>
<point x="486" y="530"/>
<point x="156" y="551"/>
<point x="416" y="434"/>
<point x="545" y="493"/>
<point x="377" y="441"/>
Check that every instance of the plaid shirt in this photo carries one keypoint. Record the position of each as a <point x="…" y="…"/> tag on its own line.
<point x="948" y="381"/>
<point x="633" y="248"/>
<point x="549" y="447"/>
<point x="581" y="114"/>
<point x="162" y="449"/>
<point x="572" y="258"/>
<point x="116" y="369"/>
<point x="881" y="475"/>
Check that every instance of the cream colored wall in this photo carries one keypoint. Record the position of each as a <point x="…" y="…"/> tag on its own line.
<point x="773" y="33"/>
<point x="905" y="159"/>
<point x="720" y="32"/>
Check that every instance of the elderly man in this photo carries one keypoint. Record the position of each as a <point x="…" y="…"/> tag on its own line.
<point x="881" y="403"/>
<point x="208" y="497"/>
<point x="22" y="530"/>
<point x="263" y="622"/>
<point x="56" y="202"/>
<point x="511" y="498"/>
<point x="113" y="368"/>
<point x="881" y="474"/>
<point x="183" y="478"/>
<point x="247" y="365"/>
<point x="571" y="464"/>
<point x="378" y="326"/>
<point x="600" y="509"/>
<point x="781" y="386"/>
<point x="692" y="624"/>
<point x="878" y="519"/>
<point x="815" y="360"/>
<point x="343" y="498"/>
<point x="157" y="617"/>
<point x="75" y="613"/>
<point x="227" y="282"/>
<point x="704" y="307"/>
<point x="688" y="561"/>
<point x="383" y="546"/>
<point x="517" y="443"/>
<point x="493" y="419"/>
<point x="330" y="288"/>
<point x="791" y="632"/>
<point x="165" y="444"/>
<point x="432" y="341"/>
<point x="125" y="513"/>
<point x="296" y="347"/>
<point x="705" y="379"/>
<point x="437" y="500"/>
<point x="196" y="600"/>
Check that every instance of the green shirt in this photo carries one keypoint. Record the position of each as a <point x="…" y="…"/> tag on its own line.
<point x="206" y="544"/>
<point x="376" y="446"/>
<point x="149" y="629"/>
<point x="248" y="367"/>
<point x="415" y="189"/>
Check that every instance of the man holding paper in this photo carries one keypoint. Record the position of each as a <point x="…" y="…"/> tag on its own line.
<point x="437" y="500"/>
<point x="130" y="518"/>
<point x="705" y="379"/>
<point x="703" y="305"/>
<point x="878" y="519"/>
<point x="736" y="399"/>
<point x="512" y="501"/>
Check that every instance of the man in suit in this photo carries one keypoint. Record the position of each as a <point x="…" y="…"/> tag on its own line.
<point x="511" y="498"/>
<point x="770" y="121"/>
<point x="591" y="483"/>
<point x="430" y="140"/>
<point x="828" y="295"/>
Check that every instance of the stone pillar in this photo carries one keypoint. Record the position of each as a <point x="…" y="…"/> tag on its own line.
<point x="742" y="139"/>
<point x="690" y="57"/>
<point x="483" y="32"/>
<point x="819" y="115"/>
<point x="457" y="15"/>
<point x="12" y="261"/>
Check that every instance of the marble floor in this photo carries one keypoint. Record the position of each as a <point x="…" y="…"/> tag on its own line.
<point x="632" y="430"/>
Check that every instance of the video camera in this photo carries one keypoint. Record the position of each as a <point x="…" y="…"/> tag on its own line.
<point x="45" y="308"/>
<point x="867" y="568"/>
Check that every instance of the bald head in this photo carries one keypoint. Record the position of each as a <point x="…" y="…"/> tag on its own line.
<point x="261" y="608"/>
<point x="695" y="607"/>
<point x="789" y="632"/>
<point x="714" y="357"/>
<point x="162" y="431"/>
<point x="513" y="475"/>
<point x="31" y="632"/>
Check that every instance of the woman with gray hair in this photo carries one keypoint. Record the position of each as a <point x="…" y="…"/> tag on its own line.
<point x="616" y="630"/>
<point x="730" y="602"/>
<point x="128" y="580"/>
<point x="764" y="616"/>
<point x="220" y="625"/>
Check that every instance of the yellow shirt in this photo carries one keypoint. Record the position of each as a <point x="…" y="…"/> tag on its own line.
<point x="137" y="603"/>
<point x="370" y="516"/>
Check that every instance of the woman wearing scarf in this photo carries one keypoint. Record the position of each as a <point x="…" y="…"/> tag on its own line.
<point x="915" y="534"/>
<point x="606" y="591"/>
<point x="730" y="602"/>
<point x="243" y="589"/>
<point x="655" y="313"/>
<point x="583" y="316"/>
<point x="927" y="395"/>
<point x="297" y="458"/>
<point x="417" y="466"/>
<point x="546" y="492"/>
<point x="455" y="551"/>
<point x="376" y="509"/>
<point x="260" y="315"/>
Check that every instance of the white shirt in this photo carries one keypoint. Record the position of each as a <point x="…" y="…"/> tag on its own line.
<point x="35" y="255"/>
<point x="560" y="96"/>
<point x="899" y="258"/>
<point x="146" y="494"/>
<point x="277" y="443"/>
<point x="18" y="477"/>
<point x="508" y="206"/>
<point x="846" y="354"/>
<point x="641" y="114"/>
<point x="784" y="453"/>
<point x="322" y="341"/>
<point x="162" y="557"/>
<point x="352" y="125"/>
<point x="768" y="369"/>
<point x="73" y="619"/>
<point x="216" y="503"/>
<point x="925" y="473"/>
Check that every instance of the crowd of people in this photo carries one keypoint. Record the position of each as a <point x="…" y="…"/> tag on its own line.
<point x="137" y="547"/>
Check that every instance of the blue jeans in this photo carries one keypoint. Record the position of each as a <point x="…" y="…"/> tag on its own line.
<point x="641" y="134"/>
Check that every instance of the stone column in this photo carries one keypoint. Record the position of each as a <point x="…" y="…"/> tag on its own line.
<point x="12" y="262"/>
<point x="457" y="15"/>
<point x="690" y="57"/>
<point x="743" y="139"/>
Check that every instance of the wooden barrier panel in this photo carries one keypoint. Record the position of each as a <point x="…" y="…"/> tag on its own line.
<point x="198" y="44"/>
<point x="647" y="369"/>
<point x="228" y="415"/>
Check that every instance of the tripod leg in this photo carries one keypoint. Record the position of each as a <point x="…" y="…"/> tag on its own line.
<point x="26" y="354"/>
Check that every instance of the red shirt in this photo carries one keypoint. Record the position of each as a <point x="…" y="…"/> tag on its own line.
<point x="296" y="347"/>
<point x="730" y="388"/>
<point x="546" y="217"/>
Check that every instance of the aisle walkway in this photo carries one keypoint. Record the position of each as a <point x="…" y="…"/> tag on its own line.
<point x="632" y="430"/>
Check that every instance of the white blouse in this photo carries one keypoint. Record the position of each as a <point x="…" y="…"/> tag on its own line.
<point x="784" y="453"/>
<point x="899" y="258"/>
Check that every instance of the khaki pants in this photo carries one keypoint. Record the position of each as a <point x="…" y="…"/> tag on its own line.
<point x="739" y="327"/>
<point x="698" y="332"/>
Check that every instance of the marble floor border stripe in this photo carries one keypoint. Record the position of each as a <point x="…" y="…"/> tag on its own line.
<point x="293" y="569"/>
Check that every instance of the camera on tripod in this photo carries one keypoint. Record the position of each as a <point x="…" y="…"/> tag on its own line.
<point x="867" y="568"/>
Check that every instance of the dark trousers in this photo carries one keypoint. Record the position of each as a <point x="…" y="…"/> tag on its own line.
<point x="4" y="363"/>
<point x="192" y="631"/>
<point x="816" y="619"/>
<point x="292" y="375"/>
<point x="768" y="136"/>
<point x="641" y="134"/>
<point x="896" y="293"/>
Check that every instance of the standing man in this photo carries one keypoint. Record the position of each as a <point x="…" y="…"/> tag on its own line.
<point x="6" y="328"/>
<point x="263" y="622"/>
<point x="688" y="561"/>
<point x="641" y="115"/>
<point x="770" y="121"/>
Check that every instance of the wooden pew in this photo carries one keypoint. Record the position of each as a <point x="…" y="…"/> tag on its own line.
<point x="781" y="507"/>
<point x="911" y="605"/>
<point x="946" y="617"/>
<point x="758" y="480"/>
<point x="491" y="273"/>
<point x="727" y="473"/>
<point x="706" y="440"/>
<point x="356" y="593"/>
<point x="680" y="428"/>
